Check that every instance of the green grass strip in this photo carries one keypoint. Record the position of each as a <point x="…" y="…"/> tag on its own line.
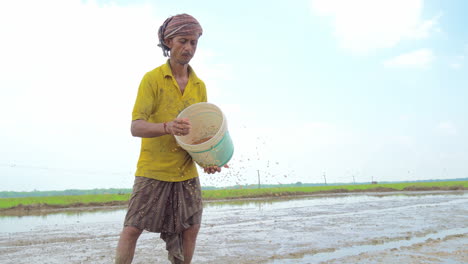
<point x="63" y="200"/>
<point x="223" y="194"/>
<point x="246" y="193"/>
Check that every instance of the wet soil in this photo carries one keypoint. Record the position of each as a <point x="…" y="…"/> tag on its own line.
<point x="386" y="227"/>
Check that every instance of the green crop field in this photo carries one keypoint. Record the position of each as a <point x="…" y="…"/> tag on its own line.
<point x="63" y="201"/>
<point x="280" y="191"/>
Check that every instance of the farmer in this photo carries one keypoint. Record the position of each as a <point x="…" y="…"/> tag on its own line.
<point x="166" y="194"/>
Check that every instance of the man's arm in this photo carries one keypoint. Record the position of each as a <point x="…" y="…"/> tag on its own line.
<point x="145" y="129"/>
<point x="180" y="127"/>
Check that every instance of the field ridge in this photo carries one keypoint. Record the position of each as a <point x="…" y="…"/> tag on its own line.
<point x="24" y="205"/>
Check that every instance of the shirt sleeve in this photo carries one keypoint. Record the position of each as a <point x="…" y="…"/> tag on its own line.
<point x="204" y="96"/>
<point x="145" y="101"/>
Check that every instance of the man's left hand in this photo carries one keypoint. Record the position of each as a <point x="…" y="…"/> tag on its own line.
<point x="214" y="169"/>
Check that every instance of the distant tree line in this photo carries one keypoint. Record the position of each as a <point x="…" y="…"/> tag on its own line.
<point x="35" y="193"/>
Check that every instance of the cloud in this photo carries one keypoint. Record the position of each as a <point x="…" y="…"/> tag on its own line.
<point x="211" y="72"/>
<point x="420" y="59"/>
<point x="70" y="74"/>
<point x="456" y="65"/>
<point x="365" y="25"/>
<point x="78" y="62"/>
<point x="457" y="62"/>
<point x="447" y="128"/>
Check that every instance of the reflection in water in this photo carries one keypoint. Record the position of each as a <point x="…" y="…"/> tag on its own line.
<point x="320" y="199"/>
<point x="11" y="224"/>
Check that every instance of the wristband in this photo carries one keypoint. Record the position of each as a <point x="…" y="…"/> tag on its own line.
<point x="165" y="128"/>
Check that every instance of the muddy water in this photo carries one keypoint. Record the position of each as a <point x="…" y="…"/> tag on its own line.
<point x="421" y="227"/>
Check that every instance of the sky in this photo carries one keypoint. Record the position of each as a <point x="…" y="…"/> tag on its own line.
<point x="313" y="90"/>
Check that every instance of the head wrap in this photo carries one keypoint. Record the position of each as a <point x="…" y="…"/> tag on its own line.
<point x="177" y="25"/>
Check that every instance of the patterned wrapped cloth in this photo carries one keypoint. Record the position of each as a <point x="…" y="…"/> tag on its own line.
<point x="167" y="208"/>
<point x="178" y="25"/>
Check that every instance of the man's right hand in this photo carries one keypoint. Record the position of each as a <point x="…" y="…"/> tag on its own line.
<point x="179" y="127"/>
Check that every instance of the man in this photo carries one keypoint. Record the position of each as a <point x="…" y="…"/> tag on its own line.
<point x="166" y="194"/>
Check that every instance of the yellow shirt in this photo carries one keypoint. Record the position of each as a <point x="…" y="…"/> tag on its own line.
<point x="160" y="100"/>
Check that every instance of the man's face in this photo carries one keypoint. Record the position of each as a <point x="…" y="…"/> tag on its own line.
<point x="183" y="47"/>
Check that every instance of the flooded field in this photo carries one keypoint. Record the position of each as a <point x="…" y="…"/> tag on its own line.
<point x="400" y="227"/>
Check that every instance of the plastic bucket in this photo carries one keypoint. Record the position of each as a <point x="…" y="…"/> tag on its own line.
<point x="209" y="142"/>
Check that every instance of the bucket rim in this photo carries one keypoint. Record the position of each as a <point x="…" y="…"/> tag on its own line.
<point x="187" y="146"/>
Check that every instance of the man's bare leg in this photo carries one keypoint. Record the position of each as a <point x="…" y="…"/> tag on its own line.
<point x="127" y="244"/>
<point x="189" y="239"/>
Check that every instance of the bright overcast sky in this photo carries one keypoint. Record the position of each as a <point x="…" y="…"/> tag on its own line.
<point x="371" y="89"/>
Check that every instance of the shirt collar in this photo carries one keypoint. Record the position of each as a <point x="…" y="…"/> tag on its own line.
<point x="166" y="69"/>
